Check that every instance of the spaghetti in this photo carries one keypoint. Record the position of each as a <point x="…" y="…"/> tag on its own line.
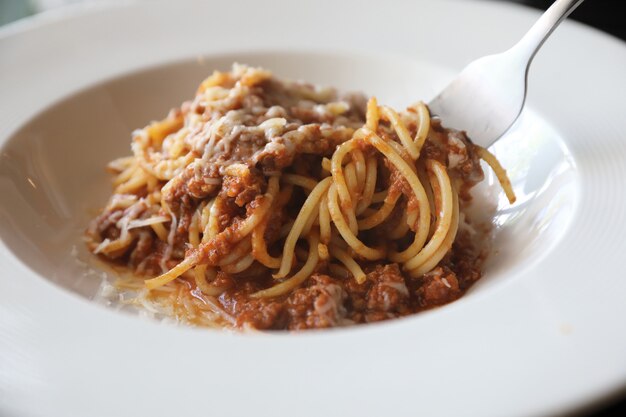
<point x="270" y="204"/>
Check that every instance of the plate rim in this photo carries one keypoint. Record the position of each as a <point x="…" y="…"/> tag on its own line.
<point x="79" y="12"/>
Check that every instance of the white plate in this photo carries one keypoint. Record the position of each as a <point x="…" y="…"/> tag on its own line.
<point x="541" y="333"/>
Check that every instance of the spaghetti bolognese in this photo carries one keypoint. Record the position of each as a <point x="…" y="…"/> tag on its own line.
<point x="279" y="205"/>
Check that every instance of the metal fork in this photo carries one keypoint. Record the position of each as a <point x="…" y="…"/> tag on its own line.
<point x="487" y="97"/>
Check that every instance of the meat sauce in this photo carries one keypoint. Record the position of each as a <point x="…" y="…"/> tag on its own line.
<point x="329" y="297"/>
<point x="325" y="301"/>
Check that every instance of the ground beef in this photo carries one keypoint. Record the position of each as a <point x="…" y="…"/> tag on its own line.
<point x="451" y="148"/>
<point x="323" y="301"/>
<point x="245" y="186"/>
<point x="260" y="314"/>
<point x="439" y="286"/>
<point x="388" y="295"/>
<point x="319" y="304"/>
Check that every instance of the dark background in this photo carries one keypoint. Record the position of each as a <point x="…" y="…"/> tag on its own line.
<point x="608" y="16"/>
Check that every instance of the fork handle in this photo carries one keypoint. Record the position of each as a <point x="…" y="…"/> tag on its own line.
<point x="528" y="46"/>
